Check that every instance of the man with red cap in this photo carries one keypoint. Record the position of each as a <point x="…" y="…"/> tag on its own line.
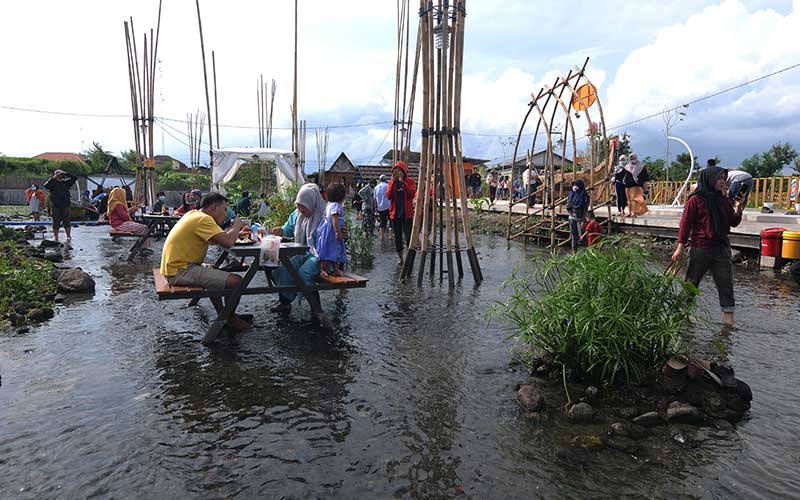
<point x="400" y="193"/>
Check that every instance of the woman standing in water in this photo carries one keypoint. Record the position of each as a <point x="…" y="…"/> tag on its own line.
<point x="707" y="219"/>
<point x="635" y="178"/>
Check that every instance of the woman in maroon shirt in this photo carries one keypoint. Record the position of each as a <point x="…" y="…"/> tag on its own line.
<point x="707" y="219"/>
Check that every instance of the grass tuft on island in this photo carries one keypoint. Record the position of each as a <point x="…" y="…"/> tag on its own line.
<point x="601" y="315"/>
<point x="23" y="279"/>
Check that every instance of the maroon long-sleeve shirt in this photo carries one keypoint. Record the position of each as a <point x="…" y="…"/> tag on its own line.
<point x="696" y="223"/>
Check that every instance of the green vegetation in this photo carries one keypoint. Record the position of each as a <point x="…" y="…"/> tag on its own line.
<point x="21" y="277"/>
<point x="772" y="161"/>
<point x="360" y="249"/>
<point x="601" y="314"/>
<point x="36" y="167"/>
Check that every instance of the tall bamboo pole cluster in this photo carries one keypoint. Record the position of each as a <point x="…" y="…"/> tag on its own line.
<point x="300" y="152"/>
<point x="322" y="152"/>
<point x="550" y="108"/>
<point x="208" y="100"/>
<point x="265" y="102"/>
<point x="194" y="124"/>
<point x="403" y="100"/>
<point x="142" y="82"/>
<point x="441" y="218"/>
<point x="295" y="128"/>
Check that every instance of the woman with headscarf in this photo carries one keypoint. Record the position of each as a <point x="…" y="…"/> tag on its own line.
<point x="577" y="205"/>
<point x="617" y="178"/>
<point x="119" y="216"/>
<point x="634" y="179"/>
<point x="707" y="219"/>
<point x="302" y="226"/>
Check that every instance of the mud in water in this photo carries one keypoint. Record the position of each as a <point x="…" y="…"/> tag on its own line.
<point x="411" y="397"/>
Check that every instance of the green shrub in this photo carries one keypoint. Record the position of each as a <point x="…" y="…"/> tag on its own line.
<point x="359" y="246"/>
<point x="601" y="314"/>
<point x="22" y="278"/>
<point x="37" y="167"/>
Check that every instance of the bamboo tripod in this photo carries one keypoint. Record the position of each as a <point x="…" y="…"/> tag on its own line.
<point x="322" y="137"/>
<point x="441" y="195"/>
<point x="551" y="112"/>
<point x="195" y="124"/>
<point x="142" y="82"/>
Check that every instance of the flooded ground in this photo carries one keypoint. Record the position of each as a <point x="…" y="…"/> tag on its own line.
<point x="410" y="397"/>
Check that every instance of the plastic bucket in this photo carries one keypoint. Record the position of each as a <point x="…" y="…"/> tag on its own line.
<point x="791" y="245"/>
<point x="771" y="241"/>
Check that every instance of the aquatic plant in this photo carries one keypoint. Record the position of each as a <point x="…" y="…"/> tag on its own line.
<point x="359" y="245"/>
<point x="601" y="314"/>
<point x="23" y="279"/>
<point x="478" y="203"/>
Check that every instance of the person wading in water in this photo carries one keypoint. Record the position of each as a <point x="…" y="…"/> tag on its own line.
<point x="707" y="219"/>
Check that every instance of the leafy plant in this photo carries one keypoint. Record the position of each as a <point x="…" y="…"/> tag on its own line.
<point x="22" y="278"/>
<point x="478" y="203"/>
<point x="359" y="245"/>
<point x="602" y="314"/>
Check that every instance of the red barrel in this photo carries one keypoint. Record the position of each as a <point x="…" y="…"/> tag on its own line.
<point x="771" y="241"/>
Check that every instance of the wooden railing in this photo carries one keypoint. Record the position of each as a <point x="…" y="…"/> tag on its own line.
<point x="782" y="191"/>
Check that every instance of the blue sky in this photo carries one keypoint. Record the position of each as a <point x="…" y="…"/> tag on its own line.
<point x="644" y="56"/>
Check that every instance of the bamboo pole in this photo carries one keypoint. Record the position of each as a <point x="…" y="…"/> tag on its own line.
<point x="208" y="101"/>
<point x="295" y="143"/>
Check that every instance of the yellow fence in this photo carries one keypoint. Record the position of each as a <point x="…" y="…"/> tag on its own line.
<point x="782" y="191"/>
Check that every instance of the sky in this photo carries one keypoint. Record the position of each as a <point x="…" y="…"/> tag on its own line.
<point x="69" y="57"/>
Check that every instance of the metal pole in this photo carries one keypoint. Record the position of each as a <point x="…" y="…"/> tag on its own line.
<point x="691" y="170"/>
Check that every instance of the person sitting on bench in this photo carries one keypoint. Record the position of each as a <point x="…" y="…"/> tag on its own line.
<point x="302" y="226"/>
<point x="186" y="246"/>
<point x="119" y="215"/>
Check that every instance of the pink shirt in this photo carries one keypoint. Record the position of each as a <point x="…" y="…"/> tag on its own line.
<point x="118" y="216"/>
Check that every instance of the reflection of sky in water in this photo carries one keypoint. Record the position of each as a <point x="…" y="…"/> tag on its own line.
<point x="412" y="396"/>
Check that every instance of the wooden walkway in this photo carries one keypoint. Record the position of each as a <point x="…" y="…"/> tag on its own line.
<point x="663" y="221"/>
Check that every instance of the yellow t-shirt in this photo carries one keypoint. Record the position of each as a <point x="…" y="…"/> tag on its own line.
<point x="187" y="242"/>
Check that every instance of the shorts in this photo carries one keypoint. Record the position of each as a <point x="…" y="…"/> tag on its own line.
<point x="197" y="275"/>
<point x="383" y="219"/>
<point x="60" y="216"/>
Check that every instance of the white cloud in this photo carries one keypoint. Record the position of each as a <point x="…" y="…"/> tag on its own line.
<point x="721" y="46"/>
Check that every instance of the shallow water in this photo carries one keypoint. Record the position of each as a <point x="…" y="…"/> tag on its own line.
<point x="410" y="397"/>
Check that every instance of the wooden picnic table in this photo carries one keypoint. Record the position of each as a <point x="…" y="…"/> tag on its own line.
<point x="156" y="224"/>
<point x="253" y="252"/>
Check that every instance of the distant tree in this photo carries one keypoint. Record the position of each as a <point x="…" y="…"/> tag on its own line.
<point x="654" y="167"/>
<point x="97" y="157"/>
<point x="796" y="166"/>
<point x="128" y="160"/>
<point x="771" y="161"/>
<point x="625" y="145"/>
<point x="679" y="169"/>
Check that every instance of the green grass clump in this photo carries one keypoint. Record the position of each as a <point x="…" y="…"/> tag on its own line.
<point x="602" y="314"/>
<point x="23" y="279"/>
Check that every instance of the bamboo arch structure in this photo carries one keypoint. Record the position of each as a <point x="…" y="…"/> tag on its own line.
<point x="550" y="108"/>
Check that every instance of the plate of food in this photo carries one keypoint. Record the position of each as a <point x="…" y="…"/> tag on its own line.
<point x="244" y="241"/>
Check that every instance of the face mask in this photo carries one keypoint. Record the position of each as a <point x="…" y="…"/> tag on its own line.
<point x="162" y="198"/>
<point x="575" y="188"/>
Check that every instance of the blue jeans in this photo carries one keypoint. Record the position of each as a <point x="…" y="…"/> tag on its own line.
<point x="307" y="267"/>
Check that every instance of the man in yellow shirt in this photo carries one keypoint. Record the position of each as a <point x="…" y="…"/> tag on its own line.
<point x="186" y="246"/>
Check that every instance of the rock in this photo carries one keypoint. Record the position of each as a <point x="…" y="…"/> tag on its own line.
<point x="627" y="413"/>
<point x="649" y="419"/>
<point x="743" y="391"/>
<point x="40" y="314"/>
<point x="627" y="429"/>
<point x="45" y="243"/>
<point x="684" y="412"/>
<point x="59" y="298"/>
<point x="586" y="441"/>
<point x="53" y="255"/>
<point x="591" y="393"/>
<point x="22" y="307"/>
<point x="737" y="257"/>
<point x="723" y="425"/>
<point x="23" y="330"/>
<point x="75" y="281"/>
<point x="581" y="413"/>
<point x="530" y="398"/>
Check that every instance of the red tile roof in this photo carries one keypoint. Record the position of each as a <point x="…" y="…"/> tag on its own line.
<point x="61" y="157"/>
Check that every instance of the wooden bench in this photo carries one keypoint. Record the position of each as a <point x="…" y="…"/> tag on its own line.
<point x="345" y="280"/>
<point x="166" y="291"/>
<point x="116" y="234"/>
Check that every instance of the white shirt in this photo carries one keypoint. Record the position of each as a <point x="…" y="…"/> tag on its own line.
<point x="526" y="175"/>
<point x="381" y="201"/>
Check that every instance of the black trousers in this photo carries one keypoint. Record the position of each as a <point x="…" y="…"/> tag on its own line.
<point x="402" y="233"/>
<point x="716" y="259"/>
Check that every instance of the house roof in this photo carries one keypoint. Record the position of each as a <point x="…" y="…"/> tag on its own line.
<point x="168" y="158"/>
<point x="413" y="158"/>
<point x="341" y="164"/>
<point x="522" y="160"/>
<point x="61" y="157"/>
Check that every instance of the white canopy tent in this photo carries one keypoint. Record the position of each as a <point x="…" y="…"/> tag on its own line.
<point x="228" y="161"/>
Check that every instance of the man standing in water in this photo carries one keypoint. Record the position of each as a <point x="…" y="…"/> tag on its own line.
<point x="59" y="186"/>
<point x="186" y="246"/>
<point x="707" y="219"/>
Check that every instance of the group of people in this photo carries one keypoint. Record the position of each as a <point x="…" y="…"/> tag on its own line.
<point x="315" y="222"/>
<point x="630" y="178"/>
